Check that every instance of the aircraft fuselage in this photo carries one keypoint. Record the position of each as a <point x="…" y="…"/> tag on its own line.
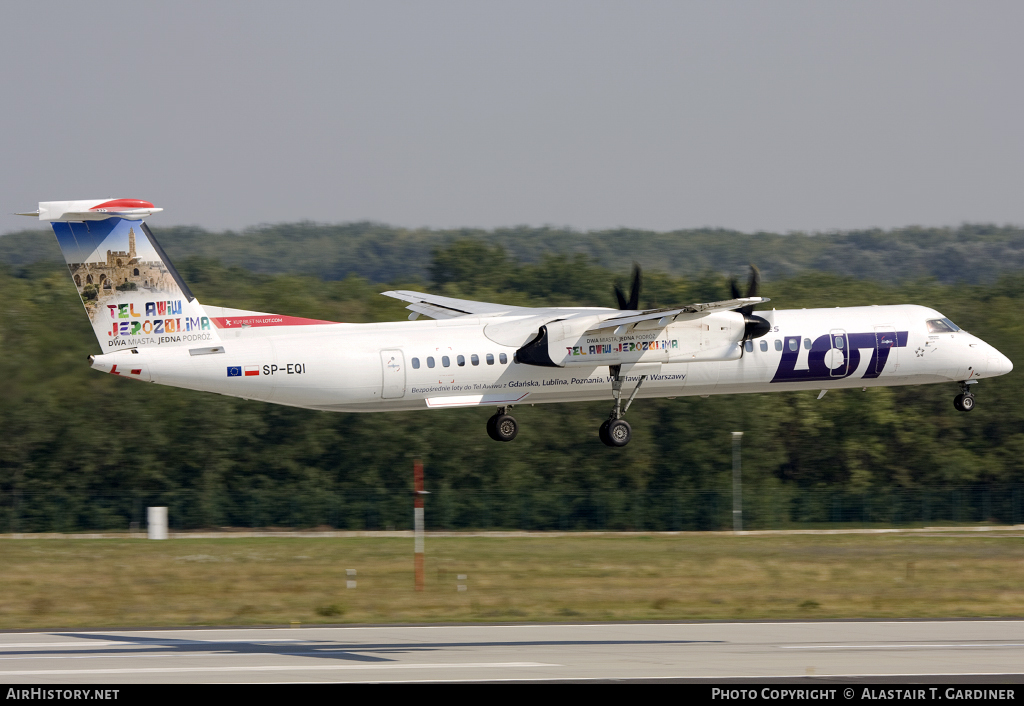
<point x="447" y="363"/>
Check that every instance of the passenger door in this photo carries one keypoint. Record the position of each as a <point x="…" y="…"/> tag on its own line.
<point x="393" y="366"/>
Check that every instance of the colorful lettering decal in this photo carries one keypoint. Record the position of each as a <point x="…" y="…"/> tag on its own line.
<point x="176" y="325"/>
<point x="608" y="348"/>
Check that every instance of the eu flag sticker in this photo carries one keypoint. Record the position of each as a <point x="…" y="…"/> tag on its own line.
<point x="234" y="371"/>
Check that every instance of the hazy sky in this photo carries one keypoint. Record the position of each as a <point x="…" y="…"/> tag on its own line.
<point x="751" y="115"/>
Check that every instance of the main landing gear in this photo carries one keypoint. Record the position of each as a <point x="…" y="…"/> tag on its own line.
<point x="964" y="402"/>
<point x="615" y="431"/>
<point x="502" y="426"/>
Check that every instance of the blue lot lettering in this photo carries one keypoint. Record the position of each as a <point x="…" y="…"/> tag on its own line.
<point x="880" y="343"/>
<point x="289" y="369"/>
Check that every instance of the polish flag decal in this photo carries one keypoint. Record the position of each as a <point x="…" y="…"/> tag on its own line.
<point x="252" y="370"/>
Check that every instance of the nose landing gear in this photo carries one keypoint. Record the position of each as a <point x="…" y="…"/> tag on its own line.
<point x="964" y="402"/>
<point x="615" y="431"/>
<point x="502" y="426"/>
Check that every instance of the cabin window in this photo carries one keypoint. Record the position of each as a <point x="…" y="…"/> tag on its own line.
<point x="764" y="346"/>
<point x="749" y="345"/>
<point x="807" y="343"/>
<point x="942" y="326"/>
<point x="840" y="342"/>
<point x="461" y="360"/>
<point x="778" y="345"/>
<point x="502" y="358"/>
<point x="430" y="362"/>
<point x="490" y="359"/>
<point x="474" y="359"/>
<point x="445" y="361"/>
<point x="794" y="343"/>
<point x="415" y="363"/>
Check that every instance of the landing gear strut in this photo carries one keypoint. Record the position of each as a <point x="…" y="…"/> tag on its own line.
<point x="964" y="402"/>
<point x="615" y="431"/>
<point x="502" y="426"/>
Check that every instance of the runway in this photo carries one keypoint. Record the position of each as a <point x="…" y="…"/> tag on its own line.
<point x="847" y="651"/>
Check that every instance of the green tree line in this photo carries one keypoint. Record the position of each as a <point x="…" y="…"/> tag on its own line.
<point x="84" y="450"/>
<point x="380" y="253"/>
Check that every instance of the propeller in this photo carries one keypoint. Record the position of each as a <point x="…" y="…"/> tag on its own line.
<point x="633" y="303"/>
<point x="755" y="326"/>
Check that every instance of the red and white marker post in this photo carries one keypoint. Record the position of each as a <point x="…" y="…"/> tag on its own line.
<point x="418" y="493"/>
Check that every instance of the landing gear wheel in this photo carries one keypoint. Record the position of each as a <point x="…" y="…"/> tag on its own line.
<point x="504" y="427"/>
<point x="602" y="433"/>
<point x="616" y="432"/>
<point x="964" y="403"/>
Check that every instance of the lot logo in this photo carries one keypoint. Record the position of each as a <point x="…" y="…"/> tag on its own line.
<point x="880" y="344"/>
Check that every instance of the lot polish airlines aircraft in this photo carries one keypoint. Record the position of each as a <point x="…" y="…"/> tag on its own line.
<point x="477" y="354"/>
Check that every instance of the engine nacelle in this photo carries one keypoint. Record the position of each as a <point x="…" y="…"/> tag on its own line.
<point x="707" y="337"/>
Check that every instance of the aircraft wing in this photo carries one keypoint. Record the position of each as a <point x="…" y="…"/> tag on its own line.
<point x="437" y="307"/>
<point x="630" y="318"/>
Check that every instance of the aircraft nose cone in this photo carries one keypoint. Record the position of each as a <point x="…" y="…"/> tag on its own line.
<point x="999" y="364"/>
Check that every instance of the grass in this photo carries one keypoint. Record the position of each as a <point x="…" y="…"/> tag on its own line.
<point x="47" y="583"/>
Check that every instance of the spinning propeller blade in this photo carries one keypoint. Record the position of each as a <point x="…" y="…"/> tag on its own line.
<point x="755" y="325"/>
<point x="633" y="303"/>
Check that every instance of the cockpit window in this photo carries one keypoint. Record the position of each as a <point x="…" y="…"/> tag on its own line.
<point x="941" y="326"/>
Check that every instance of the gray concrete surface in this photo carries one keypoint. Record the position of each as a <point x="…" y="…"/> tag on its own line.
<point x="976" y="650"/>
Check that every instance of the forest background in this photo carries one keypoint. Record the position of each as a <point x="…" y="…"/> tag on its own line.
<point x="80" y="450"/>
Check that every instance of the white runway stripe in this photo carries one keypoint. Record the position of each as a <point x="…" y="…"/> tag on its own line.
<point x="276" y="668"/>
<point x="898" y="647"/>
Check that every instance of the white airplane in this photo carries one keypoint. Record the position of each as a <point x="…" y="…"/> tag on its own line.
<point x="479" y="354"/>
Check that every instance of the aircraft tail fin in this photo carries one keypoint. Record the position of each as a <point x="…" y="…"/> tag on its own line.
<point x="131" y="292"/>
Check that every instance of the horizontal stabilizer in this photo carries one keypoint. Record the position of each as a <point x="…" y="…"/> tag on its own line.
<point x="94" y="210"/>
